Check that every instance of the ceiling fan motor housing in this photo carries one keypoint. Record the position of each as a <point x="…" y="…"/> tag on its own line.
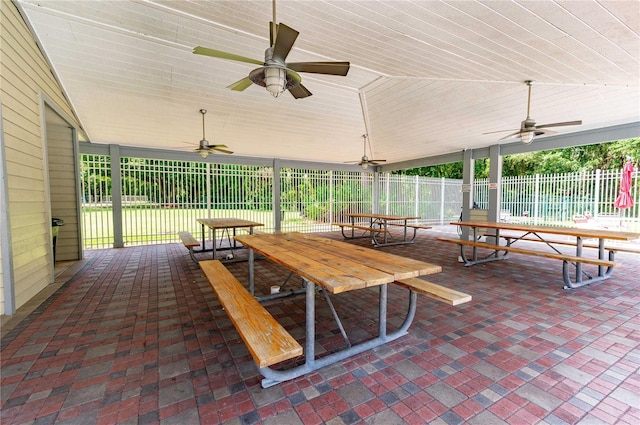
<point x="259" y="75"/>
<point x="528" y="124"/>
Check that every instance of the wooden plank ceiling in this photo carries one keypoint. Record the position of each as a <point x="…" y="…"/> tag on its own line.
<point x="435" y="75"/>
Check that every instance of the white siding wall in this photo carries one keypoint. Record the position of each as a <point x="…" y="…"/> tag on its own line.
<point x="25" y="80"/>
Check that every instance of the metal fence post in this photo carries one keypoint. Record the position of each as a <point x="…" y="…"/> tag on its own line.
<point x="416" y="210"/>
<point x="536" y="199"/>
<point x="596" y="195"/>
<point x="331" y="197"/>
<point x="442" y="195"/>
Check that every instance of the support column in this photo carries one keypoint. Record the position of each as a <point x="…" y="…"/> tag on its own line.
<point x="468" y="173"/>
<point x="116" y="195"/>
<point x="277" y="207"/>
<point x="209" y="198"/>
<point x="495" y="186"/>
<point x="375" y="202"/>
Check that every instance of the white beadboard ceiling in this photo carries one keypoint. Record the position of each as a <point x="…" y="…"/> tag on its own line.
<point x="434" y="75"/>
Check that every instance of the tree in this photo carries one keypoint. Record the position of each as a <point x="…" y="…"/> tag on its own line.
<point x="452" y="170"/>
<point x="580" y="158"/>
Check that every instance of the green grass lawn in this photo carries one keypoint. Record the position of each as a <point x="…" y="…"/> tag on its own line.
<point x="144" y="226"/>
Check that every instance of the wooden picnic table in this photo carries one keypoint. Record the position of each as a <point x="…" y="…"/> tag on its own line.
<point x="228" y="226"/>
<point x="604" y="260"/>
<point x="336" y="267"/>
<point x="376" y="227"/>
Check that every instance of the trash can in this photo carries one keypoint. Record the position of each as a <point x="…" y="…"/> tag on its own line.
<point x="55" y="226"/>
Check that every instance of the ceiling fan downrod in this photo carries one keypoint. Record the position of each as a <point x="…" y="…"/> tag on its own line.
<point x="274" y="25"/>
<point x="203" y="111"/>
<point x="364" y="145"/>
<point x="529" y="83"/>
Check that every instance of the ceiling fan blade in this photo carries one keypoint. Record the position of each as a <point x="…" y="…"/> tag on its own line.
<point x="299" y="91"/>
<point x="225" y="55"/>
<point x="543" y="132"/>
<point x="240" y="85"/>
<point x="331" y="68"/>
<point x="511" y="135"/>
<point x="217" y="148"/>
<point x="560" y="124"/>
<point x="375" y="161"/>
<point x="500" y="131"/>
<point x="285" y="37"/>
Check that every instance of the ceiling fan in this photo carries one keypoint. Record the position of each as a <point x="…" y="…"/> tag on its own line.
<point x="365" y="161"/>
<point x="205" y="148"/>
<point x="274" y="73"/>
<point x="528" y="128"/>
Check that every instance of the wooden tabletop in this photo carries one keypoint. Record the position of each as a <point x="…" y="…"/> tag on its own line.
<point x="334" y="265"/>
<point x="227" y="223"/>
<point x="568" y="231"/>
<point x="380" y="216"/>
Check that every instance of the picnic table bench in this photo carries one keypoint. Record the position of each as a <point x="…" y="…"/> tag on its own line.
<point x="189" y="242"/>
<point x="435" y="291"/>
<point x="266" y="339"/>
<point x="612" y="248"/>
<point x="604" y="262"/>
<point x="362" y="226"/>
<point x="376" y="226"/>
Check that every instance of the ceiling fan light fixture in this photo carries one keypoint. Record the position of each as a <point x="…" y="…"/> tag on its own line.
<point x="275" y="79"/>
<point x="527" y="137"/>
<point x="204" y="153"/>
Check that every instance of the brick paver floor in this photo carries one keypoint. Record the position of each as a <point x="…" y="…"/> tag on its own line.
<point x="136" y="336"/>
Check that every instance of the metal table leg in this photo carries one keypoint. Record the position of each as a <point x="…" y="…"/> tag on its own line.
<point x="603" y="273"/>
<point x="274" y="377"/>
<point x="251" y="271"/>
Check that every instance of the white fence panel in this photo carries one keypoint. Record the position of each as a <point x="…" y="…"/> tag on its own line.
<point x="353" y="192"/>
<point x="560" y="198"/>
<point x="97" y="217"/>
<point x="163" y="197"/>
<point x="305" y="200"/>
<point x="435" y="201"/>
